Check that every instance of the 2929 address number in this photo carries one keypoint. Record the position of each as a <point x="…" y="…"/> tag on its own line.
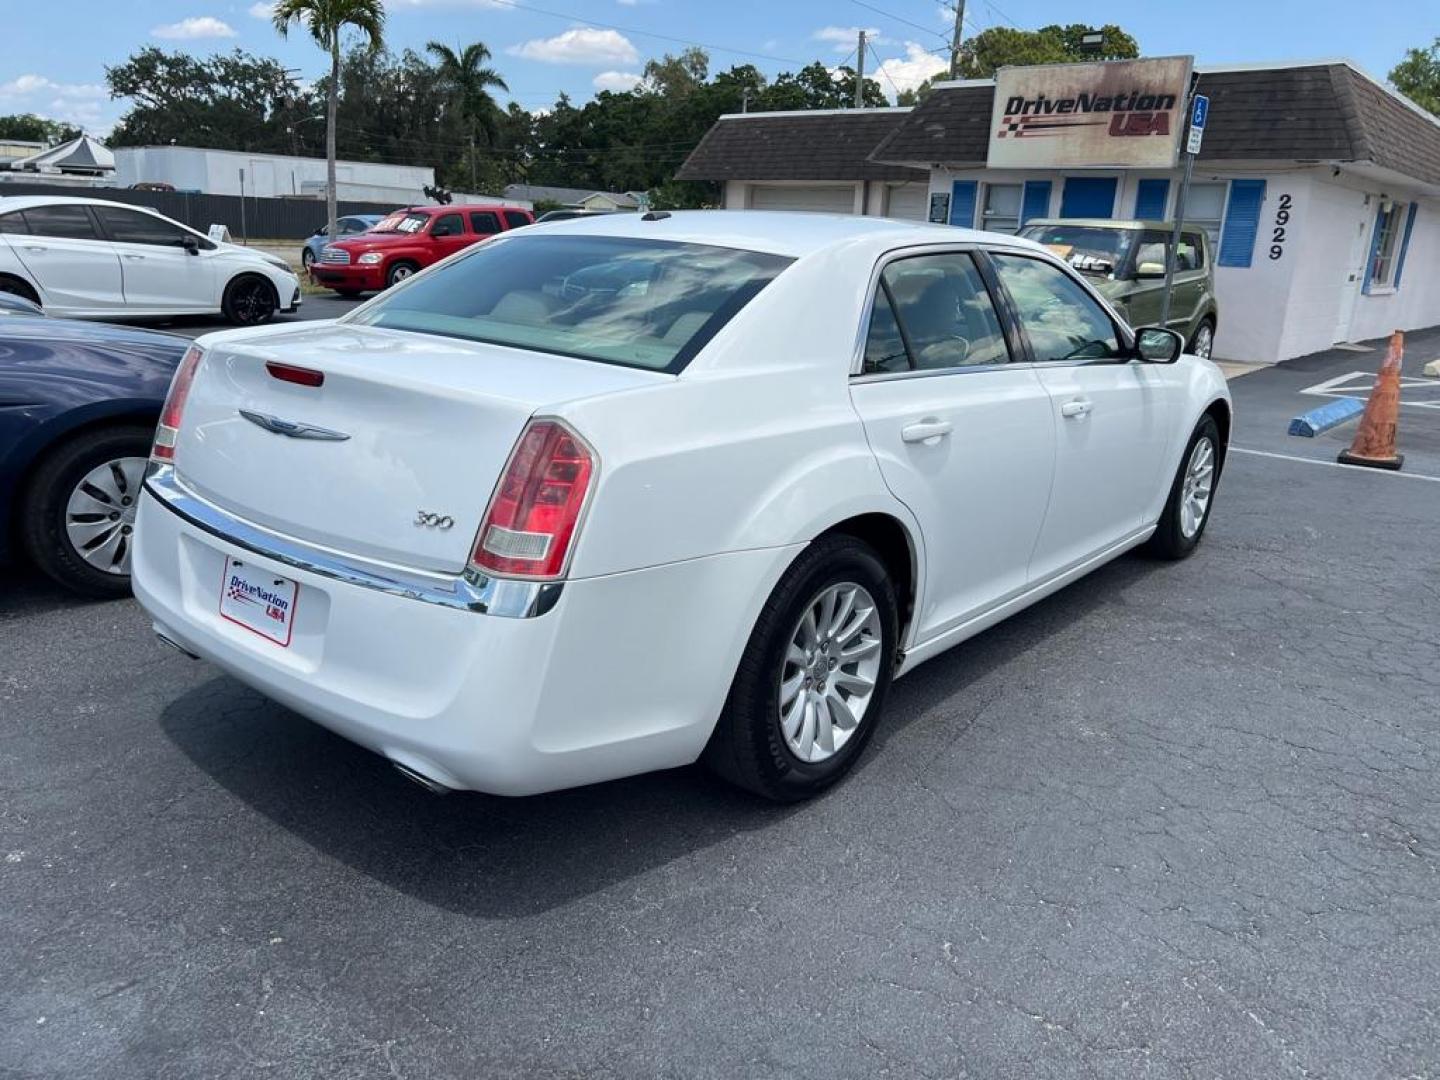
<point x="1277" y="234"/>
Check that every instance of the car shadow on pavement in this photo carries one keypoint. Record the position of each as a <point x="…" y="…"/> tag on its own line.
<point x="27" y="592"/>
<point x="496" y="857"/>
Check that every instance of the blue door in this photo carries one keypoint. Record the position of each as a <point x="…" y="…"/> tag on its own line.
<point x="1088" y="196"/>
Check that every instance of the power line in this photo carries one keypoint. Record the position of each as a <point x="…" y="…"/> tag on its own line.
<point x="880" y="66"/>
<point x="897" y="18"/>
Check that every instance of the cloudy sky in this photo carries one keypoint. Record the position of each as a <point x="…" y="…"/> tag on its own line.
<point x="55" y="53"/>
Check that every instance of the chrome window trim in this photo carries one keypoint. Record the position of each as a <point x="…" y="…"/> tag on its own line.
<point x="469" y="591"/>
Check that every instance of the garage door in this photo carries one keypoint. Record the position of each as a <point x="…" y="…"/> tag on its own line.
<point x="829" y="200"/>
<point x="909" y="201"/>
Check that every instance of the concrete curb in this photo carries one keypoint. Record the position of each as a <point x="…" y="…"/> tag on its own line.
<point x="1331" y="414"/>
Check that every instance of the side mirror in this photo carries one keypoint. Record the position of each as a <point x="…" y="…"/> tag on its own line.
<point x="1150" y="270"/>
<point x="190" y="244"/>
<point x="1157" y="345"/>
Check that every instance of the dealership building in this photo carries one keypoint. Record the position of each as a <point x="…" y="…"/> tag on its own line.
<point x="1318" y="185"/>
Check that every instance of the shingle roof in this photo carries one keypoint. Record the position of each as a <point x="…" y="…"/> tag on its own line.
<point x="1320" y="112"/>
<point x="821" y="145"/>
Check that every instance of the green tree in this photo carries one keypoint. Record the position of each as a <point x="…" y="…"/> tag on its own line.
<point x="469" y="80"/>
<point x="326" y="20"/>
<point x="27" y="127"/>
<point x="1418" y="77"/>
<point x="1004" y="46"/>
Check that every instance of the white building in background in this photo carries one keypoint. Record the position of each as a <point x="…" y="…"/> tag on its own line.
<point x="219" y="172"/>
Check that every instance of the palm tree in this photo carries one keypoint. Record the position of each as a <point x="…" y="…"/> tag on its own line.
<point x="325" y="19"/>
<point x="469" y="82"/>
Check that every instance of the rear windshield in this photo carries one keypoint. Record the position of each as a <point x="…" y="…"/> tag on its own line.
<point x="402" y="223"/>
<point x="641" y="303"/>
<point x="1091" y="249"/>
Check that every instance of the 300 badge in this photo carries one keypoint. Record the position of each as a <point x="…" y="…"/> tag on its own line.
<point x="433" y="521"/>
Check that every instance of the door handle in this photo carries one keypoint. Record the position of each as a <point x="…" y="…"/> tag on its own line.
<point x="35" y="247"/>
<point x="133" y="257"/>
<point x="1076" y="409"/>
<point x="928" y="431"/>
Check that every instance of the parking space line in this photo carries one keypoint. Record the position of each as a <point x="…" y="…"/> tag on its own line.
<point x="1334" y="464"/>
<point x="1358" y="384"/>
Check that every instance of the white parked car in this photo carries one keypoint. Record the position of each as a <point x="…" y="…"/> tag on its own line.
<point x="620" y="493"/>
<point x="89" y="258"/>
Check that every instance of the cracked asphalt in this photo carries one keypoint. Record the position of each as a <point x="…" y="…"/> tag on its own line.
<point x="1179" y="820"/>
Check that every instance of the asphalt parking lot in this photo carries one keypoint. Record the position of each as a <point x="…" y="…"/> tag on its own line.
<point x="1179" y="820"/>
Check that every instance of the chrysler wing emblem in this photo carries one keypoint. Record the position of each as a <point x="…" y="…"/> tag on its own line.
<point x="292" y="428"/>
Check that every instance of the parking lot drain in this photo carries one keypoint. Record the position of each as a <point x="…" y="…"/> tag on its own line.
<point x="1331" y="414"/>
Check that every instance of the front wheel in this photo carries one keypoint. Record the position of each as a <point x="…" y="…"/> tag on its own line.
<point x="812" y="680"/>
<point x="399" y="272"/>
<point x="250" y="301"/>
<point x="1192" y="493"/>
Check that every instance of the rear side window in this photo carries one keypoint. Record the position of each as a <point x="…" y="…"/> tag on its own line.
<point x="619" y="300"/>
<point x="13" y="223"/>
<point x="447" y="225"/>
<point x="133" y="227"/>
<point x="1191" y="255"/>
<point x="67" y="222"/>
<point x="944" y="313"/>
<point x="514" y="219"/>
<point x="484" y="222"/>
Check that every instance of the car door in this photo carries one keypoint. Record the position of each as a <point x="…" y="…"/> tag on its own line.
<point x="447" y="235"/>
<point x="963" y="436"/>
<point x="1147" y="287"/>
<point x="1192" y="281"/>
<point x="77" y="269"/>
<point x="158" y="270"/>
<point x="1111" y="413"/>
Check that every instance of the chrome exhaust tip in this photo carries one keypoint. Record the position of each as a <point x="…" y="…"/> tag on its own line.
<point x="434" y="787"/>
<point x="181" y="649"/>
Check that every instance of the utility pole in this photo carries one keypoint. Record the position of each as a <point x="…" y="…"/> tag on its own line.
<point x="745" y="99"/>
<point x="860" y="73"/>
<point x="473" y="186"/>
<point x="955" y="39"/>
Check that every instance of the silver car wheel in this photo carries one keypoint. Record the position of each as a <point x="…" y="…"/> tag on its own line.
<point x="400" y="273"/>
<point x="1196" y="488"/>
<point x="100" y="514"/>
<point x="829" y="673"/>
<point x="1204" y="342"/>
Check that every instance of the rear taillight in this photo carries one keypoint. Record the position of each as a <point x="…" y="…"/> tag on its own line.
<point x="169" y="427"/>
<point x="530" y="523"/>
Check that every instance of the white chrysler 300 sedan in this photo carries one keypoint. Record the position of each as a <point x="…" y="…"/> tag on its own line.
<point x="615" y="494"/>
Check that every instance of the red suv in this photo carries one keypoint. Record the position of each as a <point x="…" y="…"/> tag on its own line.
<point x="409" y="240"/>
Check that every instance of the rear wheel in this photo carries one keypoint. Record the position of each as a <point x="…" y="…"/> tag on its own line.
<point x="1203" y="343"/>
<point x="812" y="681"/>
<point x="399" y="272"/>
<point x="1192" y="493"/>
<point x="250" y="301"/>
<point x="77" y="515"/>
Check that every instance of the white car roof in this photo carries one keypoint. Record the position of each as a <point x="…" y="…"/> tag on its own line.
<point x="791" y="233"/>
<point x="24" y="202"/>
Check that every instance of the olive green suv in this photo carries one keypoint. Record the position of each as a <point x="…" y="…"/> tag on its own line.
<point x="1125" y="261"/>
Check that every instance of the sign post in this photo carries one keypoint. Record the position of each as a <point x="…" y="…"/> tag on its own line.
<point x="1199" y="116"/>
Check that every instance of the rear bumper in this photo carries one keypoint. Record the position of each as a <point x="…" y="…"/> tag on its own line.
<point x="620" y="675"/>
<point x="360" y="278"/>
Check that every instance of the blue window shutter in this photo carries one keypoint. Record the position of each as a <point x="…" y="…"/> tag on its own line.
<point x="962" y="203"/>
<point x="1037" y="200"/>
<point x="1405" y="242"/>
<point x="1374" y="248"/>
<point x="1088" y="196"/>
<point x="1150" y="196"/>
<point x="1242" y="222"/>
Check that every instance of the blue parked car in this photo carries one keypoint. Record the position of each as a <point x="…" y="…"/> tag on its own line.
<point x="78" y="406"/>
<point x="348" y="225"/>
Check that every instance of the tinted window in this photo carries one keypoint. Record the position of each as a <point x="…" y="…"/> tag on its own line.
<point x="1192" y="253"/>
<point x="1061" y="319"/>
<point x="884" y="347"/>
<point x="351" y="226"/>
<point x="13" y="223"/>
<point x="403" y="222"/>
<point x="1150" y="252"/>
<point x="641" y="303"/>
<point x="133" y="227"/>
<point x="447" y="225"/>
<point x="71" y="222"/>
<point x="515" y="219"/>
<point x="484" y="222"/>
<point x="945" y="312"/>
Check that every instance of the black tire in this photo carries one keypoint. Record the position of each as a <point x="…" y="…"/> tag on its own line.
<point x="399" y="272"/>
<point x="748" y="746"/>
<point x="250" y="300"/>
<point x="1169" y="540"/>
<point x="16" y="287"/>
<point x="349" y="294"/>
<point x="42" y="506"/>
<point x="307" y="259"/>
<point x="1194" y="345"/>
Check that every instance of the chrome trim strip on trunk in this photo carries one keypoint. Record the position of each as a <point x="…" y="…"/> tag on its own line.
<point x="468" y="592"/>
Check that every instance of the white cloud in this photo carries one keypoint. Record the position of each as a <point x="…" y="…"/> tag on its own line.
<point x="263" y="10"/>
<point x="198" y="26"/>
<point x="83" y="104"/>
<point x="844" y="39"/>
<point x="908" y="72"/>
<point x="580" y="45"/>
<point x="619" y="81"/>
<point x="26" y="85"/>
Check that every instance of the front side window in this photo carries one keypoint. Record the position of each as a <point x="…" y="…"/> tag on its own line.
<point x="133" y="227"/>
<point x="484" y="222"/>
<point x="1002" y="208"/>
<point x="1386" y="243"/>
<point x="447" y="225"/>
<point x="943" y="314"/>
<point x="13" y="223"/>
<point x="69" y="222"/>
<point x="1060" y="318"/>
<point x="639" y="303"/>
<point x="402" y="222"/>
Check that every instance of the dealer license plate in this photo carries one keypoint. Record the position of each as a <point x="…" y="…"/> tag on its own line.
<point x="259" y="601"/>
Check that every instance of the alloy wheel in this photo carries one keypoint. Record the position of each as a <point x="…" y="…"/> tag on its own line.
<point x="1196" y="488"/>
<point x="828" y="676"/>
<point x="100" y="514"/>
<point x="1204" y="342"/>
<point x="252" y="301"/>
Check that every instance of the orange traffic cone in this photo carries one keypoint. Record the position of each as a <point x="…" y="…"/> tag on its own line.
<point x="1374" y="443"/>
